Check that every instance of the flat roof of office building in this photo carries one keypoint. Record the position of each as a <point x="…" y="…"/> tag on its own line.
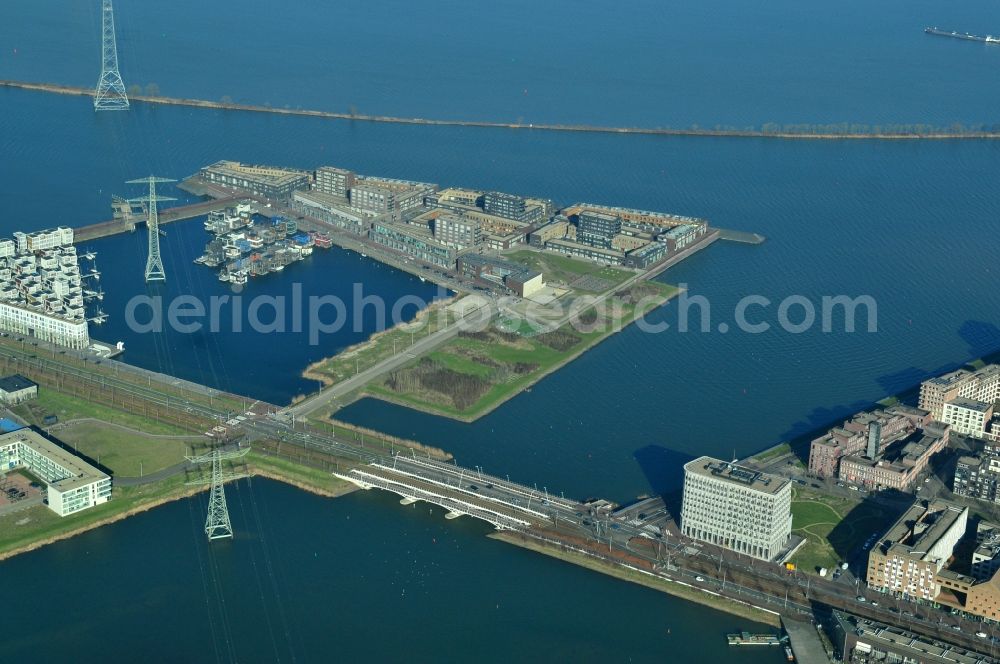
<point x="80" y="472"/>
<point x="734" y="473"/>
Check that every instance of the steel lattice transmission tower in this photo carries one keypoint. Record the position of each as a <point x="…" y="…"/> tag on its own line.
<point x="217" y="524"/>
<point x="110" y="94"/>
<point x="154" y="263"/>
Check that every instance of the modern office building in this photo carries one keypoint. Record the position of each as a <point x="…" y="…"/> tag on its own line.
<point x="15" y="389"/>
<point x="968" y="416"/>
<point x="72" y="483"/>
<point x="980" y="385"/>
<point x="505" y="205"/>
<point x="331" y="209"/>
<point x="518" y="208"/>
<point x="597" y="229"/>
<point x="646" y="256"/>
<point x="907" y="559"/>
<point x="554" y="230"/>
<point x="736" y="508"/>
<point x="334" y="181"/>
<point x="653" y="222"/>
<point x="682" y="236"/>
<point x="414" y="242"/>
<point x="597" y="254"/>
<point x="267" y="181"/>
<point x="457" y="231"/>
<point x="377" y="196"/>
<point x="497" y="272"/>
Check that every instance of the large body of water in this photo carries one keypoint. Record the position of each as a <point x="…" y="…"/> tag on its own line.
<point x="913" y="225"/>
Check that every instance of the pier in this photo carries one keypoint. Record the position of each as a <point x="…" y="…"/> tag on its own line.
<point x="116" y="226"/>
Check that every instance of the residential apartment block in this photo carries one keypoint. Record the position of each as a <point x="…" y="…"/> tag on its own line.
<point x="851" y="439"/>
<point x="73" y="484"/>
<point x="980" y="385"/>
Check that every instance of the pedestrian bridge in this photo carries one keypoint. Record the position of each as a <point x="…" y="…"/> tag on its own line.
<point x="462" y="492"/>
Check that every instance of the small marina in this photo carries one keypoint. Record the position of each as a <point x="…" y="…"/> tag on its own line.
<point x="247" y="244"/>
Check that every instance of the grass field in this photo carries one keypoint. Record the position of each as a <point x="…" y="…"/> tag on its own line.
<point x="298" y="474"/>
<point x="380" y="346"/>
<point x="772" y="453"/>
<point x="472" y="374"/>
<point x="66" y="407"/>
<point x="833" y="527"/>
<point x="123" y="451"/>
<point x="566" y="270"/>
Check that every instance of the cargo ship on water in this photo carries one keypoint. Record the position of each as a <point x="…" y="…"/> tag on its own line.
<point x="988" y="39"/>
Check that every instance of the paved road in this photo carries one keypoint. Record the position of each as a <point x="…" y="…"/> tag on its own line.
<point x="420" y="347"/>
<point x="324" y="398"/>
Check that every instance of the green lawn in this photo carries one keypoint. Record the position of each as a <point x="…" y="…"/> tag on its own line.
<point x="481" y="357"/>
<point x="305" y="475"/>
<point x="123" y="451"/>
<point x="833" y="527"/>
<point x="556" y="268"/>
<point x="66" y="407"/>
<point x="381" y="346"/>
<point x="773" y="452"/>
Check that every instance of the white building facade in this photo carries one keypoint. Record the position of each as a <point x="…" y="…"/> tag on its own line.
<point x="73" y="484"/>
<point x="736" y="508"/>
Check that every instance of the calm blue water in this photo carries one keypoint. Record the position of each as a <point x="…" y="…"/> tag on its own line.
<point x="259" y="363"/>
<point x="652" y="63"/>
<point x="359" y="578"/>
<point x="911" y="224"/>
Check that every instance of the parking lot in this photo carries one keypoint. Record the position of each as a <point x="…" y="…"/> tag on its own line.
<point x="16" y="489"/>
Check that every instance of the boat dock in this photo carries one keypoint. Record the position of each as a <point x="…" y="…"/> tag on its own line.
<point x="127" y="225"/>
<point x="804" y="641"/>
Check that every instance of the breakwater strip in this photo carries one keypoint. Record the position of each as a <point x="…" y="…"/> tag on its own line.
<point x="929" y="134"/>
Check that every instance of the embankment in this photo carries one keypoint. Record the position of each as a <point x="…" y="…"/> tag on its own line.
<point x="932" y="134"/>
<point x="640" y="576"/>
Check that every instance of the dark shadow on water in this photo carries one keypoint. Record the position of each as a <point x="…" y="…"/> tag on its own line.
<point x="664" y="470"/>
<point x="983" y="339"/>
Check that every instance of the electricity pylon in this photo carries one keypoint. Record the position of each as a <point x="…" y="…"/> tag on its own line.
<point x="154" y="264"/>
<point x="110" y="94"/>
<point x="217" y="524"/>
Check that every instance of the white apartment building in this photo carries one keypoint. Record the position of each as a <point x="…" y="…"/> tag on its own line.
<point x="736" y="508"/>
<point x="967" y="416"/>
<point x="980" y="385"/>
<point x="42" y="290"/>
<point x="73" y="484"/>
